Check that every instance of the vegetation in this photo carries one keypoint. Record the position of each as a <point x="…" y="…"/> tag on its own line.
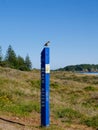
<point x="73" y="99"/>
<point x="16" y="62"/>
<point x="81" y="68"/>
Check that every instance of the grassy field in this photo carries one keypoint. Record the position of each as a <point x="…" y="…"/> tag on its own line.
<point x="73" y="99"/>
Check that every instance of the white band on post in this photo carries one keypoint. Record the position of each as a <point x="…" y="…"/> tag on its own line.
<point x="47" y="68"/>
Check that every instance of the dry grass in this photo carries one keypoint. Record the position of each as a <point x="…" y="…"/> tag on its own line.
<point x="73" y="99"/>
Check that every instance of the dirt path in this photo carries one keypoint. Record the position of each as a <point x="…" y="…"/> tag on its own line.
<point x="9" y="126"/>
<point x="16" y="124"/>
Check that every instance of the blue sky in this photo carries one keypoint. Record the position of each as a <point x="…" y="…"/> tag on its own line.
<point x="70" y="25"/>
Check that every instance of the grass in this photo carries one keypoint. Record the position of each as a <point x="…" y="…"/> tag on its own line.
<point x="92" y="122"/>
<point x="73" y="98"/>
<point x="90" y="88"/>
<point x="68" y="115"/>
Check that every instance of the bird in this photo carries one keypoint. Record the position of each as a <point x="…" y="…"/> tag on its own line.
<point x="47" y="43"/>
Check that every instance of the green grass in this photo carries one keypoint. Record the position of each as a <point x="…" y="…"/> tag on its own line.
<point x="35" y="83"/>
<point x="17" y="107"/>
<point x="92" y="122"/>
<point x="51" y="127"/>
<point x="68" y="115"/>
<point x="22" y="109"/>
<point x="90" y="88"/>
<point x="54" y="85"/>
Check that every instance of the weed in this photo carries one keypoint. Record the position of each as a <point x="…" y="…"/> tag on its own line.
<point x="21" y="109"/>
<point x="35" y="83"/>
<point x="89" y="88"/>
<point x="52" y="127"/>
<point x="68" y="113"/>
<point x="91" y="102"/>
<point x="54" y="85"/>
<point x="92" y="121"/>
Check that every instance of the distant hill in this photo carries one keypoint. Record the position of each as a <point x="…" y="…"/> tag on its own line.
<point x="81" y="68"/>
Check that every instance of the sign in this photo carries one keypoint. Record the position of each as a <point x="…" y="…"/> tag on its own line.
<point x="45" y="90"/>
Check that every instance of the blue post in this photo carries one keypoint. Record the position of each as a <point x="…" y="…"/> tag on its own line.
<point x="45" y="90"/>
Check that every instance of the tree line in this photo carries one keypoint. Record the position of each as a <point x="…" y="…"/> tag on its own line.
<point x="81" y="68"/>
<point x="13" y="61"/>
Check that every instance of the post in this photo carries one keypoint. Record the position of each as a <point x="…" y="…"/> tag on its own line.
<point x="45" y="89"/>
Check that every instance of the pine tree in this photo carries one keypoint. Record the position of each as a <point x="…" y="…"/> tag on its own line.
<point x="21" y="63"/>
<point x="1" y="58"/>
<point x="11" y="59"/>
<point x="28" y="63"/>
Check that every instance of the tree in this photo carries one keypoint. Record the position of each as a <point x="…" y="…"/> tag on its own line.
<point x="21" y="63"/>
<point x="11" y="58"/>
<point x="12" y="61"/>
<point x="1" y="54"/>
<point x="28" y="63"/>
